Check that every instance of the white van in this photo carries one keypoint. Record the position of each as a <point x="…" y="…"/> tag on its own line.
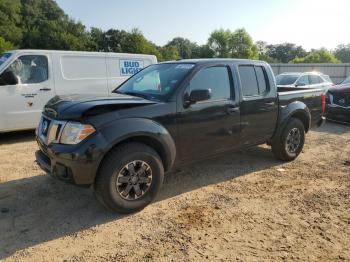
<point x="29" y="78"/>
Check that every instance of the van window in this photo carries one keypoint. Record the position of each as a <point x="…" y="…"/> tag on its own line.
<point x="83" y="67"/>
<point x="214" y="78"/>
<point x="27" y="69"/>
<point x="248" y="81"/>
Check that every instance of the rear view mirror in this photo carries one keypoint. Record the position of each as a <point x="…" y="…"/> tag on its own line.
<point x="200" y="95"/>
<point x="8" y="78"/>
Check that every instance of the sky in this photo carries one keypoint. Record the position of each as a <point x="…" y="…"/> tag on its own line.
<point x="309" y="23"/>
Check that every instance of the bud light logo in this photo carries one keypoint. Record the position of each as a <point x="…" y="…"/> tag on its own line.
<point x="130" y="67"/>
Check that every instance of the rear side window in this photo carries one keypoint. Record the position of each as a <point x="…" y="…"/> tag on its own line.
<point x="253" y="80"/>
<point x="248" y="81"/>
<point x="214" y="78"/>
<point x="315" y="79"/>
<point x="260" y="75"/>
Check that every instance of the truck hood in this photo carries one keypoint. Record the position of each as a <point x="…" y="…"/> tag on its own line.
<point x="71" y="107"/>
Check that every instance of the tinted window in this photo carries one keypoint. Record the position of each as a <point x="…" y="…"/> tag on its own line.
<point x="248" y="80"/>
<point x="315" y="79"/>
<point x="261" y="79"/>
<point x="286" y="79"/>
<point x="214" y="78"/>
<point x="29" y="69"/>
<point x="304" y="80"/>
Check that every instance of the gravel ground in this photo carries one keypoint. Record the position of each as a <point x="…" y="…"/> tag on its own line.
<point x="245" y="206"/>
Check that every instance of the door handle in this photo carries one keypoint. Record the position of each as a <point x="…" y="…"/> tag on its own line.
<point x="232" y="109"/>
<point x="45" y="89"/>
<point x="270" y="104"/>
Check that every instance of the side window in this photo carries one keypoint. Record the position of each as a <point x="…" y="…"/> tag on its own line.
<point x="304" y="80"/>
<point x="260" y="75"/>
<point x="27" y="69"/>
<point x="248" y="81"/>
<point x="214" y="78"/>
<point x="314" y="79"/>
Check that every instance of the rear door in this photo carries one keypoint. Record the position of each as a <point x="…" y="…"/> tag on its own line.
<point x="22" y="103"/>
<point x="259" y="106"/>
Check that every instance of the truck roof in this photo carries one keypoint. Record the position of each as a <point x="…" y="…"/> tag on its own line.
<point x="215" y="60"/>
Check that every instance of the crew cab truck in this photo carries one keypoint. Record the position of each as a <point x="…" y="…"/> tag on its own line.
<point x="167" y="115"/>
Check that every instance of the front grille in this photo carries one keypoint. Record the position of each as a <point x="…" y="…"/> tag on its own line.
<point x="49" y="130"/>
<point x="342" y="99"/>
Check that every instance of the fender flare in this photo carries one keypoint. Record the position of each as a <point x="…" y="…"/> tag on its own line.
<point x="151" y="132"/>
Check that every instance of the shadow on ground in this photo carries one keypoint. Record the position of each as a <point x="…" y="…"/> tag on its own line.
<point x="17" y="137"/>
<point x="40" y="209"/>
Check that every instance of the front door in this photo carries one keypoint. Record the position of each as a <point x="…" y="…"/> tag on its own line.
<point x="25" y="86"/>
<point x="211" y="126"/>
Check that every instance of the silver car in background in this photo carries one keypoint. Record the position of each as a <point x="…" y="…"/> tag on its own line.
<point x="304" y="80"/>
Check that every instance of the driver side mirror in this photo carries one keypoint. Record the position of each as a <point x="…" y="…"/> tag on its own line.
<point x="200" y="95"/>
<point x="8" y="78"/>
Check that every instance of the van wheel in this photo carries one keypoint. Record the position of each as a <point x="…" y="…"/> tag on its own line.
<point x="290" y="142"/>
<point x="130" y="178"/>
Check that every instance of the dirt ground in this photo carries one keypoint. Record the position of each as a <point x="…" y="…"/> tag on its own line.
<point x="245" y="206"/>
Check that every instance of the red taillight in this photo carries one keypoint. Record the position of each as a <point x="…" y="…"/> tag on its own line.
<point x="323" y="103"/>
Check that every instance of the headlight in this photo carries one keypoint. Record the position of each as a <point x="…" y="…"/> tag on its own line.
<point x="73" y="133"/>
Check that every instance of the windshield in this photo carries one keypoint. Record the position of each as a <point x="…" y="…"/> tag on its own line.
<point x="346" y="81"/>
<point x="155" y="81"/>
<point x="4" y="57"/>
<point x="286" y="79"/>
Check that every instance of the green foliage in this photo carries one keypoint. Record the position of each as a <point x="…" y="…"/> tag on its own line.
<point x="186" y="49"/>
<point x="169" y="53"/>
<point x="10" y="28"/>
<point x="283" y="53"/>
<point x="342" y="53"/>
<point x="4" y="45"/>
<point x="317" y="56"/>
<point x="237" y="44"/>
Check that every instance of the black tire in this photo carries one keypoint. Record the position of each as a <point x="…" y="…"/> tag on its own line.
<point x="282" y="147"/>
<point x="107" y="190"/>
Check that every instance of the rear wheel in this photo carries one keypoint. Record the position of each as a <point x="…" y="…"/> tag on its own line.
<point x="290" y="141"/>
<point x="130" y="177"/>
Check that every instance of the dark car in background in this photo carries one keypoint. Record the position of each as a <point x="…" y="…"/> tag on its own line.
<point x="338" y="102"/>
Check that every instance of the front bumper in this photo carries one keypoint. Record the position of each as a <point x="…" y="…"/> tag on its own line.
<point x="75" y="164"/>
<point x="336" y="113"/>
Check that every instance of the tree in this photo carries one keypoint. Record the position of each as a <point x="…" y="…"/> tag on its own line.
<point x="46" y="26"/>
<point x="10" y="29"/>
<point x="219" y="42"/>
<point x="284" y="53"/>
<point x="169" y="53"/>
<point x="241" y="45"/>
<point x="4" y="45"/>
<point x="342" y="53"/>
<point x="185" y="47"/>
<point x="317" y="56"/>
<point x="237" y="44"/>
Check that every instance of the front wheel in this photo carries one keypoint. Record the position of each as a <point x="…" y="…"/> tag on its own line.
<point x="290" y="141"/>
<point x="130" y="177"/>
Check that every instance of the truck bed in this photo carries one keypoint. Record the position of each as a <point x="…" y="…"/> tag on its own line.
<point x="312" y="97"/>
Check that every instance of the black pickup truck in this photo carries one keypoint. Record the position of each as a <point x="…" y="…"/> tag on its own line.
<point x="167" y="115"/>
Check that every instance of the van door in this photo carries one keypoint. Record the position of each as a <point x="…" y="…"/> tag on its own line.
<point x="25" y="87"/>
<point x="121" y="68"/>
